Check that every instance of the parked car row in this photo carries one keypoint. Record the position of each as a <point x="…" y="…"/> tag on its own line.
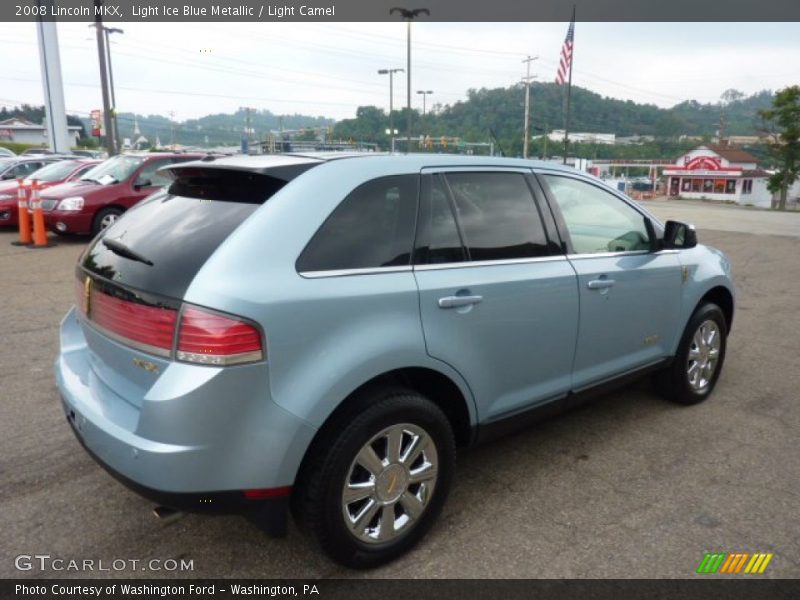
<point x="96" y="154"/>
<point x="80" y="195"/>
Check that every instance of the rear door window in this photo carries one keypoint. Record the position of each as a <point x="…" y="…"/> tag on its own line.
<point x="372" y="227"/>
<point x="497" y="216"/>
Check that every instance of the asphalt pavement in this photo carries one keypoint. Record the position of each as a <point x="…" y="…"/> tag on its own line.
<point x="629" y="486"/>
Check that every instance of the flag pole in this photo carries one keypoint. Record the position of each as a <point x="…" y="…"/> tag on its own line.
<point x="569" y="89"/>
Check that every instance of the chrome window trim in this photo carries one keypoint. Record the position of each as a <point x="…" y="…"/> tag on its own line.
<point x="613" y="254"/>
<point x="490" y="263"/>
<point x="475" y="169"/>
<point x="351" y="272"/>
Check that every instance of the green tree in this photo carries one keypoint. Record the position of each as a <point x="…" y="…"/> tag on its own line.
<point x="783" y="124"/>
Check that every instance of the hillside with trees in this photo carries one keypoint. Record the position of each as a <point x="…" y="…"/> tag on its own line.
<point x="221" y="129"/>
<point x="501" y="110"/>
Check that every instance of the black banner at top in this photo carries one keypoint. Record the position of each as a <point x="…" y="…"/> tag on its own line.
<point x="378" y="10"/>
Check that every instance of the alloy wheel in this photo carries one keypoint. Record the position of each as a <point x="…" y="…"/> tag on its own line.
<point x="390" y="483"/>
<point x="701" y="363"/>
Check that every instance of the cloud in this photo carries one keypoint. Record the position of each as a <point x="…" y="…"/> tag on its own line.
<point x="330" y="69"/>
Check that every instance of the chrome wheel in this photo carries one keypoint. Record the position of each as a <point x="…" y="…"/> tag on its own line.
<point x="108" y="220"/>
<point x="390" y="483"/>
<point x="701" y="363"/>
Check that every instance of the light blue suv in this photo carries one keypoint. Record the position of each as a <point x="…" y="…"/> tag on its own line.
<point x="321" y="332"/>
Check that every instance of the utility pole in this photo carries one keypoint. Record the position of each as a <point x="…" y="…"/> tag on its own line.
<point x="172" y="129"/>
<point x="106" y="31"/>
<point x="101" y="54"/>
<point x="527" y="81"/>
<point x="246" y="143"/>
<point x="408" y="15"/>
<point x="545" y="136"/>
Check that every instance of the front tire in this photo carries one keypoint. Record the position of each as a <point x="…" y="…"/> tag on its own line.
<point x="105" y="218"/>
<point x="691" y="377"/>
<point x="378" y="478"/>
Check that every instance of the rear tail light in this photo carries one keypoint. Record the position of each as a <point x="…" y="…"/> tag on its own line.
<point x="204" y="337"/>
<point x="148" y="328"/>
<point x="211" y="339"/>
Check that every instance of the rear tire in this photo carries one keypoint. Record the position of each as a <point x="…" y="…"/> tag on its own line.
<point x="364" y="503"/>
<point x="105" y="218"/>
<point x="691" y="377"/>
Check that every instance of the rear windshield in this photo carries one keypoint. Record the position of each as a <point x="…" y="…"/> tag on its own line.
<point x="177" y="230"/>
<point x="226" y="185"/>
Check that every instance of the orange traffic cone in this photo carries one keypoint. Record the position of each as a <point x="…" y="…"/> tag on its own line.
<point x="39" y="232"/>
<point x="24" y="218"/>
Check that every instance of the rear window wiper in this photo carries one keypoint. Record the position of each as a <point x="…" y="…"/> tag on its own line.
<point x="122" y="250"/>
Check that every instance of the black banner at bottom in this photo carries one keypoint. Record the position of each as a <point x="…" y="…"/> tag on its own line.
<point x="391" y="589"/>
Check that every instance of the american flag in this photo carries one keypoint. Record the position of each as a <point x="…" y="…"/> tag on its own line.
<point x="565" y="63"/>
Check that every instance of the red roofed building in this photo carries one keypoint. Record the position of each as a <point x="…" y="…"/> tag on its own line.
<point x="719" y="172"/>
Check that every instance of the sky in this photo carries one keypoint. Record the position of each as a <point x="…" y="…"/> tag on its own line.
<point x="329" y="69"/>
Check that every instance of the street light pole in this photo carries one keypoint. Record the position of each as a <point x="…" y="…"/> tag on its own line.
<point x="527" y="82"/>
<point x="424" y="98"/>
<point x="391" y="73"/>
<point x="408" y="15"/>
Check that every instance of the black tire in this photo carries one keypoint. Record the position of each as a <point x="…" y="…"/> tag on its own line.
<point x="98" y="223"/>
<point x="673" y="383"/>
<point x="318" y="500"/>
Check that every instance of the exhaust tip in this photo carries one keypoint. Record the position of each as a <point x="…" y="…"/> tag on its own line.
<point x="166" y="514"/>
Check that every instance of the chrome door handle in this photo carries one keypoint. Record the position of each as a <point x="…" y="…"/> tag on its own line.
<point x="456" y="301"/>
<point x="600" y="284"/>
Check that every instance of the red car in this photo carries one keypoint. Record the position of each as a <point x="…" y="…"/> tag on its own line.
<point x="100" y="196"/>
<point x="48" y="176"/>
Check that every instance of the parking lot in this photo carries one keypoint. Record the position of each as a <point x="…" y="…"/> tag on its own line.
<point x="629" y="486"/>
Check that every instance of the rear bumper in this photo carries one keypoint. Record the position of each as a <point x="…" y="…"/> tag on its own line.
<point x="196" y="440"/>
<point x="271" y="513"/>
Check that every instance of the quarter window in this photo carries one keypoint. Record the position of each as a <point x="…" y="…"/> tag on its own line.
<point x="497" y="216"/>
<point x="437" y="233"/>
<point x="596" y="220"/>
<point x="372" y="227"/>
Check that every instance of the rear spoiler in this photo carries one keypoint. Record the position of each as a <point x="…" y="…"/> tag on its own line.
<point x="281" y="167"/>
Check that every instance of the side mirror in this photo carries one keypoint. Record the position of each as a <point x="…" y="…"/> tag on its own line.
<point x="142" y="182"/>
<point x="679" y="235"/>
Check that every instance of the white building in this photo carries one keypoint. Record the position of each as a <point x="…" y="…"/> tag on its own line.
<point x="557" y="135"/>
<point x="717" y="172"/>
<point x="24" y="132"/>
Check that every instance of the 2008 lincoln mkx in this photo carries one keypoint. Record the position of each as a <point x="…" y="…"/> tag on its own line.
<point x="319" y="333"/>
